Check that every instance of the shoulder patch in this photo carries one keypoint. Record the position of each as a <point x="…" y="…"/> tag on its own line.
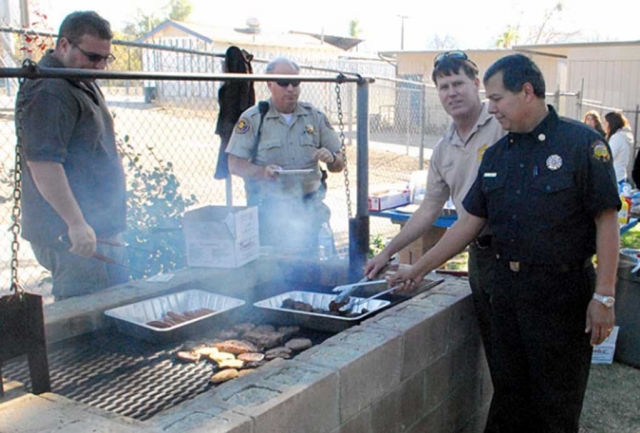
<point x="242" y="126"/>
<point x="600" y="151"/>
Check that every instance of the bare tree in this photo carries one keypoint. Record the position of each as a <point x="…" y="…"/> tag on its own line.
<point x="445" y="42"/>
<point x="546" y="33"/>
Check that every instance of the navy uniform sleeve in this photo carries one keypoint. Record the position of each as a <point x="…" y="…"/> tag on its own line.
<point x="475" y="202"/>
<point x="599" y="179"/>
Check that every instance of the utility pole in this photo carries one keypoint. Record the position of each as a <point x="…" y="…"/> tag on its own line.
<point x="402" y="18"/>
<point x="25" y="22"/>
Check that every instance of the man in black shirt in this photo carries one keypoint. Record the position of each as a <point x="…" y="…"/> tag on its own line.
<point x="549" y="194"/>
<point x="74" y="187"/>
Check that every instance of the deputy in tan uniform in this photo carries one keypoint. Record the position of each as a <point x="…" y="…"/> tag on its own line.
<point x="276" y="149"/>
<point x="452" y="170"/>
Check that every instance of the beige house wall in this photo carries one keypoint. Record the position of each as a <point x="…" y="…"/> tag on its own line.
<point x="422" y="63"/>
<point x="611" y="74"/>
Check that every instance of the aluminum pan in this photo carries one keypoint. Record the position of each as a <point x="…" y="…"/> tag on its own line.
<point x="132" y="319"/>
<point x="323" y="322"/>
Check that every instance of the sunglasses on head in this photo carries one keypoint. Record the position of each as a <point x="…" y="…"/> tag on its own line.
<point x="456" y="54"/>
<point x="285" y="83"/>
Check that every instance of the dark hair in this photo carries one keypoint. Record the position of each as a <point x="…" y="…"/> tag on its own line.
<point x="80" y="23"/>
<point x="449" y="66"/>
<point x="616" y="121"/>
<point x="596" y="120"/>
<point x="517" y="70"/>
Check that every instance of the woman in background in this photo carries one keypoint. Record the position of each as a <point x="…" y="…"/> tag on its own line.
<point x="234" y="97"/>
<point x="592" y="118"/>
<point x="621" y="142"/>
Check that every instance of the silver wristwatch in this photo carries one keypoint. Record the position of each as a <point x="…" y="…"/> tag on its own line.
<point x="607" y="301"/>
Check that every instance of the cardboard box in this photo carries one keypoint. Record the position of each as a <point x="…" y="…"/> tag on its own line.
<point x="603" y="353"/>
<point x="417" y="248"/>
<point x="389" y="198"/>
<point x="221" y="236"/>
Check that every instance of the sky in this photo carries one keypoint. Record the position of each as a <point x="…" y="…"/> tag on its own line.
<point x="471" y="24"/>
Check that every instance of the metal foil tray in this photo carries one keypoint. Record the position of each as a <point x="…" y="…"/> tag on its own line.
<point x="272" y="309"/>
<point x="132" y="319"/>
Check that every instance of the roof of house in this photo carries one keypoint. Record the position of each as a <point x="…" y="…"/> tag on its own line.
<point x="255" y="37"/>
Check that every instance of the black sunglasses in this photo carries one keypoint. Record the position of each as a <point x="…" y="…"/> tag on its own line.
<point x="285" y="83"/>
<point x="95" y="57"/>
<point x="456" y="54"/>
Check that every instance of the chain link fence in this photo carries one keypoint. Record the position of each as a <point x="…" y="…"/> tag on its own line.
<point x="169" y="126"/>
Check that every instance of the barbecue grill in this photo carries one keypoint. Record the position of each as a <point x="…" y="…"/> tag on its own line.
<point x="124" y="375"/>
<point x="136" y="378"/>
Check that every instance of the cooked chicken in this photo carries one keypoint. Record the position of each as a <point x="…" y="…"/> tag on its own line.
<point x="188" y="356"/>
<point x="221" y="356"/>
<point x="231" y="363"/>
<point x="224" y="375"/>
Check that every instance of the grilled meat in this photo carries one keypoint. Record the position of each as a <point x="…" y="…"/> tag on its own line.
<point x="236" y="347"/>
<point x="298" y="344"/>
<point x="264" y="339"/>
<point x="251" y="357"/>
<point x="278" y="352"/>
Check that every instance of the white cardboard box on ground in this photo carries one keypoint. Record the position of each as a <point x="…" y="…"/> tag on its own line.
<point x="389" y="198"/>
<point x="603" y="353"/>
<point x="221" y="236"/>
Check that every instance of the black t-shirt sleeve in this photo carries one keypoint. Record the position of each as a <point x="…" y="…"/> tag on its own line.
<point x="47" y="126"/>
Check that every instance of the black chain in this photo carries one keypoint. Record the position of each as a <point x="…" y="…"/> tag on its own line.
<point x="343" y="145"/>
<point x="16" y="212"/>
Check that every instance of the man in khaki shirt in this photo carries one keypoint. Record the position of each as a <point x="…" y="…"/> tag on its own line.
<point x="452" y="170"/>
<point x="277" y="151"/>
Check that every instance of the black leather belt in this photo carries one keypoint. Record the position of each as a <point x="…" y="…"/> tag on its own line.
<point x="483" y="242"/>
<point x="554" y="267"/>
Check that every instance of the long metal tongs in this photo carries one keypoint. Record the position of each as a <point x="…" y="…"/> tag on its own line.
<point x="347" y="289"/>
<point x="352" y="304"/>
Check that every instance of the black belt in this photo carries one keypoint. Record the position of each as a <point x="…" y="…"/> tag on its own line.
<point x="483" y="242"/>
<point x="516" y="266"/>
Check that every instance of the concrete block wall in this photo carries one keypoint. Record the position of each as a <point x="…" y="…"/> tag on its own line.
<point x="418" y="367"/>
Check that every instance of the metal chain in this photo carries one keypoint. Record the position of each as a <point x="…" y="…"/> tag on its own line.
<point x="16" y="212"/>
<point x="343" y="143"/>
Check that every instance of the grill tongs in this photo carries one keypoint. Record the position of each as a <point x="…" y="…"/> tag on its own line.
<point x="347" y="289"/>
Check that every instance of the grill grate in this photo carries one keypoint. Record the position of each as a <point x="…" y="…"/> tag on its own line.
<point x="123" y="375"/>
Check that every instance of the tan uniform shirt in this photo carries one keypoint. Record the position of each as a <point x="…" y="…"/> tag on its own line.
<point x="291" y="146"/>
<point x="454" y="163"/>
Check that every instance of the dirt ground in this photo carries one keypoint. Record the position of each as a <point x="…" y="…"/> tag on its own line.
<point x="612" y="402"/>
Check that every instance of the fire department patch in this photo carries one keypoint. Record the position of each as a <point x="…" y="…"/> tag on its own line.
<point x="242" y="126"/>
<point x="600" y="151"/>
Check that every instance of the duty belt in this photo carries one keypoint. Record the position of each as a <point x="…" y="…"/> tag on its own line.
<point x="516" y="266"/>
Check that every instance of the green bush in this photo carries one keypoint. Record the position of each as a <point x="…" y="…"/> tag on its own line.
<point x="154" y="211"/>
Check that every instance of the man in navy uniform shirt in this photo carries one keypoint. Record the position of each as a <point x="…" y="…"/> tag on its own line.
<point x="549" y="194"/>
